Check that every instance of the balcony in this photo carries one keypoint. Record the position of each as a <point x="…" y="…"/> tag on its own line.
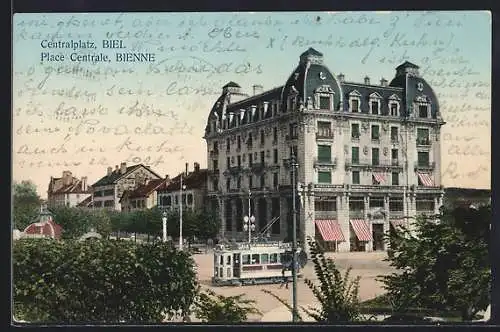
<point x="425" y="166"/>
<point x="291" y="137"/>
<point x="233" y="170"/>
<point x="369" y="163"/>
<point x="214" y="153"/>
<point x="325" y="214"/>
<point x="423" y="141"/>
<point x="214" y="171"/>
<point x="324" y="134"/>
<point x="356" y="214"/>
<point x="323" y="162"/>
<point x="355" y="137"/>
<point x="394" y="139"/>
<point x="257" y="167"/>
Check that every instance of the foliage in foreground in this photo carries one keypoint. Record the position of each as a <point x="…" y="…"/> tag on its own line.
<point x="26" y="204"/>
<point x="444" y="264"/>
<point x="100" y="281"/>
<point x="214" y="308"/>
<point x="337" y="295"/>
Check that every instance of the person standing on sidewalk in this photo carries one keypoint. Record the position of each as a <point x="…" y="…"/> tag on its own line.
<point x="285" y="278"/>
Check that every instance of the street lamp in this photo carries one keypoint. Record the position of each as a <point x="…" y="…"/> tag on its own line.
<point x="249" y="221"/>
<point x="164" y="219"/>
<point x="294" y="165"/>
<point x="182" y="187"/>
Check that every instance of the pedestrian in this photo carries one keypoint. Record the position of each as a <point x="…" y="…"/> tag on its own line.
<point x="285" y="278"/>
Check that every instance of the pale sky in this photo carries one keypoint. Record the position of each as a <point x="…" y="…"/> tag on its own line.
<point x="91" y="116"/>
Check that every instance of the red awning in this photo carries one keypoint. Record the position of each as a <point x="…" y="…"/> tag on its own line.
<point x="361" y="229"/>
<point x="379" y="177"/>
<point x="330" y="230"/>
<point x="396" y="223"/>
<point x="426" y="179"/>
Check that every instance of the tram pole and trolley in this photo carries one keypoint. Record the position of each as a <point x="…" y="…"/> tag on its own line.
<point x="294" y="165"/>
<point x="182" y="187"/>
<point x="249" y="221"/>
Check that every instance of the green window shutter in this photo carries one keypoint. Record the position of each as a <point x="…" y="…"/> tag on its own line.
<point x="324" y="153"/>
<point x="324" y="177"/>
<point x="355" y="154"/>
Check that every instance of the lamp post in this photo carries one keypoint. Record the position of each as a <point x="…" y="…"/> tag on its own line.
<point x="249" y="221"/>
<point x="182" y="187"/>
<point x="294" y="165"/>
<point x="164" y="220"/>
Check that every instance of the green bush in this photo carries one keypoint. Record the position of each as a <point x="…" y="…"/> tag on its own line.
<point x="100" y="281"/>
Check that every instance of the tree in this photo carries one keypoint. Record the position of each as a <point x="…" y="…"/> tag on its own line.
<point x="444" y="264"/>
<point x="214" y="308"/>
<point x="337" y="294"/>
<point x="26" y="204"/>
<point x="100" y="281"/>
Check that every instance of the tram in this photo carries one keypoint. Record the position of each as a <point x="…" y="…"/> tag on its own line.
<point x="254" y="263"/>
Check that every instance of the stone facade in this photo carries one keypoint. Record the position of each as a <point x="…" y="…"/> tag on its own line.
<point x="364" y="152"/>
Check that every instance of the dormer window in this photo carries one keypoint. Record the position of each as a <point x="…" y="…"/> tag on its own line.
<point x="375" y="103"/>
<point x="394" y="105"/>
<point x="423" y="107"/>
<point x="323" y="97"/>
<point x="354" y="101"/>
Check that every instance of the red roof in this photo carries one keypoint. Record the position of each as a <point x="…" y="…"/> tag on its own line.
<point x="146" y="189"/>
<point x="194" y="180"/>
<point x="48" y="228"/>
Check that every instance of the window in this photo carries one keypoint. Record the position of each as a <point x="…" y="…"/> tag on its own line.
<point x="245" y="259"/>
<point x="324" y="153"/>
<point x="374" y="106"/>
<point x="293" y="151"/>
<point x="262" y="181"/>
<point x="423" y="111"/>
<point x="395" y="179"/>
<point x="238" y="182"/>
<point x="255" y="258"/>
<point x="423" y="136"/>
<point x="228" y="144"/>
<point x="262" y="137"/>
<point x="250" y="181"/>
<point x="215" y="162"/>
<point x="423" y="159"/>
<point x="324" y="177"/>
<point x="394" y="109"/>
<point x="216" y="146"/>
<point x="228" y="184"/>
<point x="355" y="177"/>
<point x="375" y="132"/>
<point x="190" y="199"/>
<point x="324" y="102"/>
<point x="228" y="162"/>
<point x="250" y="140"/>
<point x="273" y="258"/>
<point x="394" y="134"/>
<point x="262" y="157"/>
<point x="355" y="155"/>
<point x="355" y="130"/>
<point x="264" y="258"/>
<point x="293" y="130"/>
<point x="167" y="200"/>
<point x="375" y="156"/>
<point x="239" y="160"/>
<point x="176" y="200"/>
<point x="354" y="105"/>
<point x="324" y="129"/>
<point x="238" y="142"/>
<point x="275" y="156"/>
<point x="275" y="180"/>
<point x="394" y="157"/>
<point x="275" y="134"/>
<point x="330" y="205"/>
<point x="250" y="159"/>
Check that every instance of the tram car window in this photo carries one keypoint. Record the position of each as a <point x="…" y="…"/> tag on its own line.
<point x="273" y="258"/>
<point x="255" y="259"/>
<point x="245" y="259"/>
<point x="264" y="258"/>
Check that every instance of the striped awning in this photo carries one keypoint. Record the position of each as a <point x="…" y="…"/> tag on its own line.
<point x="396" y="223"/>
<point x="378" y="177"/>
<point x="361" y="229"/>
<point x="426" y="179"/>
<point x="330" y="230"/>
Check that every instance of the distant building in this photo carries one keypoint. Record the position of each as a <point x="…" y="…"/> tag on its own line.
<point x="67" y="190"/>
<point x="143" y="197"/>
<point x="194" y="194"/>
<point x="44" y="227"/>
<point x="454" y="197"/>
<point x="108" y="190"/>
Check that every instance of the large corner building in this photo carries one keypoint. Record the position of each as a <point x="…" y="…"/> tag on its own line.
<point x="368" y="155"/>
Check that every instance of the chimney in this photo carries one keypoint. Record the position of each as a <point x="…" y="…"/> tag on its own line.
<point x="123" y="168"/>
<point x="187" y="165"/>
<point x="383" y="82"/>
<point x="367" y="80"/>
<point x="110" y="170"/>
<point x="196" y="167"/>
<point x="257" y="89"/>
<point x="84" y="183"/>
<point x="117" y="169"/>
<point x="67" y="178"/>
<point x="341" y="77"/>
